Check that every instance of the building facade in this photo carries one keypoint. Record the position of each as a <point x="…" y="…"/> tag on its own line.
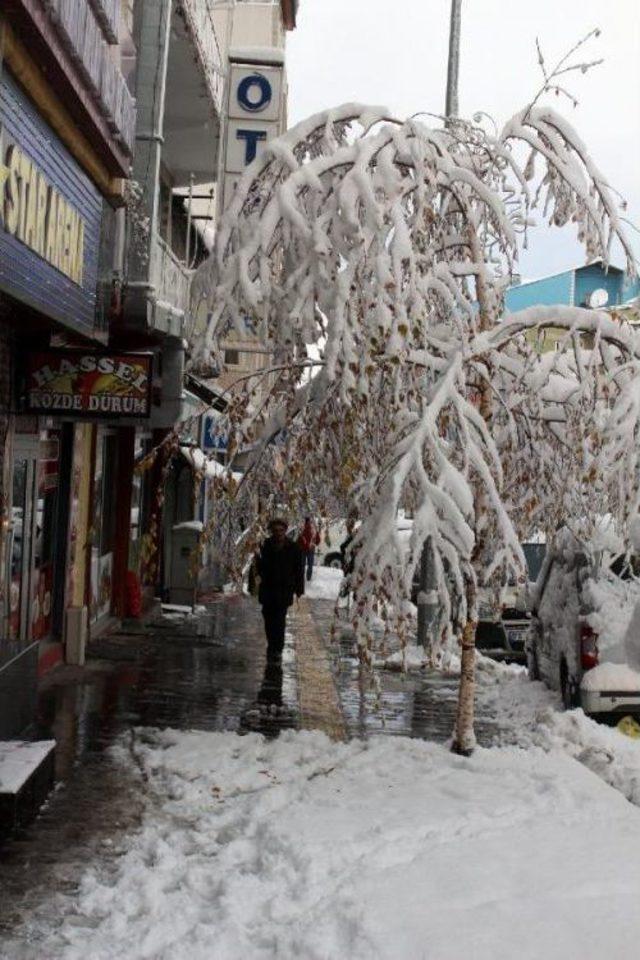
<point x="67" y="119"/>
<point x="590" y="285"/>
<point x="114" y="120"/>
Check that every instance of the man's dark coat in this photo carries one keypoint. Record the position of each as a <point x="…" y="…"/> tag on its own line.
<point x="281" y="573"/>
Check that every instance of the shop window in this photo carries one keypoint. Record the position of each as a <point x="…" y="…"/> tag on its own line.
<point x="232" y="358"/>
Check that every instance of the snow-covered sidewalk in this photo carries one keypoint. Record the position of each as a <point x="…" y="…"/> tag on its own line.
<point x="391" y="848"/>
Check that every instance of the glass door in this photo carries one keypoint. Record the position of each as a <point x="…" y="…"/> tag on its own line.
<point x="22" y="538"/>
<point x="44" y="547"/>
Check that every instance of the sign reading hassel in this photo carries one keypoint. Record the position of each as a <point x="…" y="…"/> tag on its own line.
<point x="89" y="384"/>
<point x="255" y="113"/>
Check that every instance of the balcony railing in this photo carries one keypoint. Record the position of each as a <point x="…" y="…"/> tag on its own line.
<point x="84" y="36"/>
<point x="199" y="22"/>
<point x="107" y="13"/>
<point x="170" y="280"/>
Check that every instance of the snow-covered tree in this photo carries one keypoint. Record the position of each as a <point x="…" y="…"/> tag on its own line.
<point x="372" y="256"/>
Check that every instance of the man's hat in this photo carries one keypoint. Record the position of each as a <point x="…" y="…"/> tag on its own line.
<point x="278" y="522"/>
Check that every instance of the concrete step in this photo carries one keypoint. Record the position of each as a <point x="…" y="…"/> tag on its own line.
<point x="26" y="779"/>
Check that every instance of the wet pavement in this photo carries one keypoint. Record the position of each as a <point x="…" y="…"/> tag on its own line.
<point x="207" y="672"/>
<point x="419" y="704"/>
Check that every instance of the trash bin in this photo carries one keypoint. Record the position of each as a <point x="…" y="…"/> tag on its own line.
<point x="183" y="573"/>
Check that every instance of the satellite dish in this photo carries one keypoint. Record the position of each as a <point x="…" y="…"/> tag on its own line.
<point x="598" y="298"/>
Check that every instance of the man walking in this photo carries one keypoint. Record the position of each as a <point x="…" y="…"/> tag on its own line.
<point x="308" y="541"/>
<point x="279" y="566"/>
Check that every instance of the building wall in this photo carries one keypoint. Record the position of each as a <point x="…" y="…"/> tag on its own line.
<point x="80" y="517"/>
<point x="593" y="277"/>
<point x="547" y="291"/>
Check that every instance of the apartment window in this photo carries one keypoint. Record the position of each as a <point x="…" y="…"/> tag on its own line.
<point x="232" y="358"/>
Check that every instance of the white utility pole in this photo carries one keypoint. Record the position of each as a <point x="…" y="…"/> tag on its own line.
<point x="428" y="606"/>
<point x="453" y="68"/>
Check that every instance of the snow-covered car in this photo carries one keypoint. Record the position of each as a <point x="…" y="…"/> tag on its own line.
<point x="585" y="637"/>
<point x="335" y="533"/>
<point x="331" y="536"/>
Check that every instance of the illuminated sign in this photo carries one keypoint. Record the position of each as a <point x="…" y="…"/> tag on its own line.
<point x="51" y="217"/>
<point x="255" y="115"/>
<point x="32" y="210"/>
<point x="84" y="383"/>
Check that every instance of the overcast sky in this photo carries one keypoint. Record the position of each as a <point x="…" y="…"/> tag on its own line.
<point x="394" y="52"/>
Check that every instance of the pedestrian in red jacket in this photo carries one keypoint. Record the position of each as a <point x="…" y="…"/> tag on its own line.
<point x="308" y="541"/>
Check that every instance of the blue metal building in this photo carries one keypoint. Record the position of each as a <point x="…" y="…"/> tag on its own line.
<point x="575" y="288"/>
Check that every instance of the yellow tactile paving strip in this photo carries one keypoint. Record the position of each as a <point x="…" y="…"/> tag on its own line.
<point x="317" y="694"/>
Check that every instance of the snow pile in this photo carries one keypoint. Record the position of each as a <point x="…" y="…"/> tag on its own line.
<point x="412" y="657"/>
<point x="391" y="848"/>
<point x="325" y="583"/>
<point x="180" y="611"/>
<point x="609" y="754"/>
<point x="528" y="711"/>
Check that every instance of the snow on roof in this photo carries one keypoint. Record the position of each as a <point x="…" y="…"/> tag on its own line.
<point x="257" y="55"/>
<point x="199" y="460"/>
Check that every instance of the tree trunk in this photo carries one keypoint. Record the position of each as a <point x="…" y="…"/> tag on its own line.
<point x="464" y="738"/>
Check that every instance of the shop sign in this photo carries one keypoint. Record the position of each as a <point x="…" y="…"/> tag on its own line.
<point x="84" y="383"/>
<point x="33" y="211"/>
<point x="50" y="217"/>
<point x="255" y="111"/>
<point x="213" y="436"/>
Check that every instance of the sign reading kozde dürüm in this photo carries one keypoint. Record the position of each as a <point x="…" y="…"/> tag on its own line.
<point x="89" y="384"/>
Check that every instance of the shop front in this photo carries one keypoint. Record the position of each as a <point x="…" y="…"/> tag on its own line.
<point x="52" y="257"/>
<point x="106" y="393"/>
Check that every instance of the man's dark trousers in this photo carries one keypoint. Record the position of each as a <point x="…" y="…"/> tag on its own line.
<point x="275" y="616"/>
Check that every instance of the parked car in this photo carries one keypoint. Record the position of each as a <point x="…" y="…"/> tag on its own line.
<point x="332" y="535"/>
<point x="583" y="640"/>
<point x="505" y="639"/>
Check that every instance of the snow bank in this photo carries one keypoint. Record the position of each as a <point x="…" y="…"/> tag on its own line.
<point x="412" y="657"/>
<point x="529" y="717"/>
<point x="325" y="583"/>
<point x="611" y="676"/>
<point x="390" y="848"/>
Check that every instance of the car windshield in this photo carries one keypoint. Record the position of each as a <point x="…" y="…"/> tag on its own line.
<point x="490" y="636"/>
<point x="534" y="554"/>
<point x="626" y="567"/>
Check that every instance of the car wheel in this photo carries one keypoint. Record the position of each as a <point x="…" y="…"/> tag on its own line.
<point x="333" y="560"/>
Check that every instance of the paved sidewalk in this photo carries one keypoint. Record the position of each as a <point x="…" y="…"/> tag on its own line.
<point x="205" y="672"/>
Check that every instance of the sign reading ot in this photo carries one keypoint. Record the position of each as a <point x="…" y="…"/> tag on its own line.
<point x="83" y="383"/>
<point x="255" y="116"/>
<point x="50" y="216"/>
